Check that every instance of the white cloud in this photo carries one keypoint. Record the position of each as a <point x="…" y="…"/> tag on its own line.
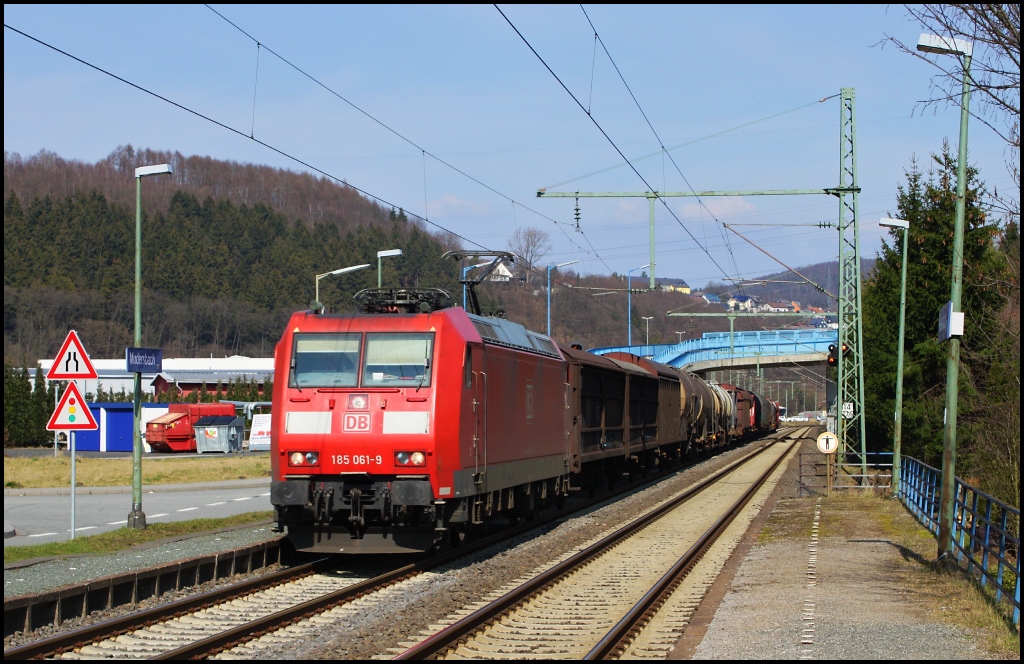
<point x="450" y="206"/>
<point x="722" y="207"/>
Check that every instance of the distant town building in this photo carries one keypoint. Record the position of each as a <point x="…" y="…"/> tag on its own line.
<point x="777" y="307"/>
<point x="743" y="303"/>
<point x="711" y="298"/>
<point x="669" y="285"/>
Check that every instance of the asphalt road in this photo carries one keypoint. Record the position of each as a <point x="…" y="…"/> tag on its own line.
<point x="38" y="519"/>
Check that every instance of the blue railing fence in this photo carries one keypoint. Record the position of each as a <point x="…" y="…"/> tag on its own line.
<point x="986" y="531"/>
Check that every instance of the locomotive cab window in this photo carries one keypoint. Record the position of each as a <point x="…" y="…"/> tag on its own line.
<point x="325" y="360"/>
<point x="398" y="360"/>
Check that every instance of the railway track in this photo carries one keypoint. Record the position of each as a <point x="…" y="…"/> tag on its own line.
<point x="280" y="606"/>
<point x="604" y="601"/>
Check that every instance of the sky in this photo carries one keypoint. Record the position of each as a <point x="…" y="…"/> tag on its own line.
<point x="400" y="89"/>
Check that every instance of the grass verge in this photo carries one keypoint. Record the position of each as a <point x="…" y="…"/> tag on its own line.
<point x="124" y="538"/>
<point x="48" y="472"/>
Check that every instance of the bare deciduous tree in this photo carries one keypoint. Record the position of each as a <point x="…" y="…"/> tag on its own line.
<point x="531" y="245"/>
<point x="994" y="71"/>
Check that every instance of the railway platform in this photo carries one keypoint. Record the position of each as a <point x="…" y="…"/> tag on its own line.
<point x="842" y="577"/>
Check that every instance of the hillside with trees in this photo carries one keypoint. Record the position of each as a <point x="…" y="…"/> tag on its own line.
<point x="221" y="274"/>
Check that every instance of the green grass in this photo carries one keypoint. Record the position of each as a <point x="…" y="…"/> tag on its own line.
<point x="124" y="538"/>
<point x="48" y="472"/>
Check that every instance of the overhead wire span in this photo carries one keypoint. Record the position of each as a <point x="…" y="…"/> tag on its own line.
<point x="661" y="143"/>
<point x="424" y="151"/>
<point x="236" y="131"/>
<point x="603" y="132"/>
<point x="274" y="149"/>
<point x="794" y="271"/>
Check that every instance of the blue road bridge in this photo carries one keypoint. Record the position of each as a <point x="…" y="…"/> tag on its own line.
<point x="737" y="350"/>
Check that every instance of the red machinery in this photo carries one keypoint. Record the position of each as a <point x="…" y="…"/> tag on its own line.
<point x="175" y="432"/>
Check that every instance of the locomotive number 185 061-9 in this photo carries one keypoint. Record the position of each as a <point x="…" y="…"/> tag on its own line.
<point x="356" y="459"/>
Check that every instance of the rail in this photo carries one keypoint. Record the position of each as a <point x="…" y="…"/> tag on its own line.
<point x="986" y="531"/>
<point x="435" y="645"/>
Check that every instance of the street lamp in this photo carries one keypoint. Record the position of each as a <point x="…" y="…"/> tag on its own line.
<point x="552" y="267"/>
<point x="343" y="270"/>
<point x="137" y="518"/>
<point x="385" y="254"/>
<point x="962" y="48"/>
<point x="647" y="341"/>
<point x="629" y="303"/>
<point x="897" y="436"/>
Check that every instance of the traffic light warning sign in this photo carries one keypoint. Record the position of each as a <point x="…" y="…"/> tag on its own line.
<point x="72" y="413"/>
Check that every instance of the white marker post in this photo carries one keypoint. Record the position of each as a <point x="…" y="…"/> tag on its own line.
<point x="828" y="443"/>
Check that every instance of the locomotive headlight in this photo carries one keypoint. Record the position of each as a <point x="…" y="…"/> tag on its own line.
<point x="303" y="459"/>
<point x="410" y="459"/>
<point x="358" y="401"/>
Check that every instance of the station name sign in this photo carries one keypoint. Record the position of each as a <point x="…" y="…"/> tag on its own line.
<point x="144" y="360"/>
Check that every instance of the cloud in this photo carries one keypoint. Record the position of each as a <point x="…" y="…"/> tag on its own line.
<point x="722" y="207"/>
<point x="629" y="211"/>
<point x="453" y="207"/>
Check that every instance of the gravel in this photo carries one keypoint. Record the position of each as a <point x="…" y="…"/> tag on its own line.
<point x="399" y="615"/>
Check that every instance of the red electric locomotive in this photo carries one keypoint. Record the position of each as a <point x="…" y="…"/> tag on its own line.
<point x="402" y="427"/>
<point x="384" y="424"/>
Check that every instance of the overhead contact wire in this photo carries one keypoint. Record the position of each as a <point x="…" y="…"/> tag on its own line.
<point x="603" y="132"/>
<point x="399" y="134"/>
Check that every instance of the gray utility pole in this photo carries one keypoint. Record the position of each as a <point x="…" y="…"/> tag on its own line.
<point x="850" y="420"/>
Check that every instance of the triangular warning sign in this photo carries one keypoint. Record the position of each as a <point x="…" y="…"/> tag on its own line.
<point x="71" y="363"/>
<point x="72" y="413"/>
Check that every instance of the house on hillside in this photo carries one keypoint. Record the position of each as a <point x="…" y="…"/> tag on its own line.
<point x="502" y="274"/>
<point x="711" y="298"/>
<point x="777" y="307"/>
<point x="668" y="285"/>
<point x="743" y="303"/>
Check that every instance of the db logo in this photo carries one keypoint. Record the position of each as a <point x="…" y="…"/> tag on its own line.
<point x="356" y="423"/>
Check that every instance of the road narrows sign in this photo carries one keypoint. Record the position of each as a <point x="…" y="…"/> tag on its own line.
<point x="72" y="362"/>
<point x="72" y="413"/>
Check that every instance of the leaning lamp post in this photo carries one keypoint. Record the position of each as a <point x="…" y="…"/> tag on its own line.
<point x="552" y="267"/>
<point x="962" y="49"/>
<point x="897" y="434"/>
<point x="137" y="518"/>
<point x="318" y="305"/>
<point x="385" y="254"/>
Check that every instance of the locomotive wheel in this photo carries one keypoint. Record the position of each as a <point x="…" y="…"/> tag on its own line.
<point x="457" y="536"/>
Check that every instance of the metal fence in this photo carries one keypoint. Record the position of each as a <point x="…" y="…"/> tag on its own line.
<point x="983" y="528"/>
<point x="846" y="472"/>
